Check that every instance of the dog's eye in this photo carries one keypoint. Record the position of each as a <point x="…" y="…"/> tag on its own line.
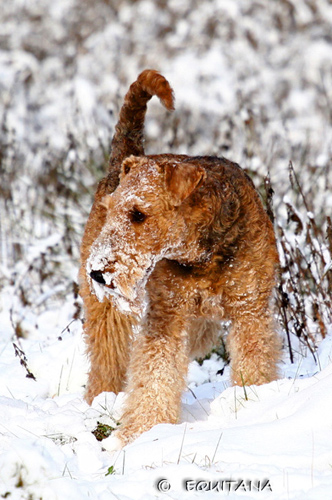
<point x="137" y="216"/>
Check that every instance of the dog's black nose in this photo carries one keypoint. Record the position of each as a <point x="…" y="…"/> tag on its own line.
<point x="98" y="276"/>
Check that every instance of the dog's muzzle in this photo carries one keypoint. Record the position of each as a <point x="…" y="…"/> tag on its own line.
<point x="104" y="285"/>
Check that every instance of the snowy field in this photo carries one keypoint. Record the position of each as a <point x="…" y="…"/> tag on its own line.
<point x="253" y="82"/>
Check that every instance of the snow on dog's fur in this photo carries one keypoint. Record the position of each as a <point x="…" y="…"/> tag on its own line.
<point x="173" y="245"/>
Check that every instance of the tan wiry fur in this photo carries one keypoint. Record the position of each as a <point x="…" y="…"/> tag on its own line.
<point x="174" y="245"/>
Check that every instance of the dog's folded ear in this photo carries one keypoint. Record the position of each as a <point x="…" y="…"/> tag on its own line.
<point x="181" y="179"/>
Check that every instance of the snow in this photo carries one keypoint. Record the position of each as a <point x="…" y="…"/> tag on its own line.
<point x="252" y="81"/>
<point x="279" y="432"/>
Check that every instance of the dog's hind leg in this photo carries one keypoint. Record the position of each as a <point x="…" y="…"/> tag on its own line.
<point x="203" y="336"/>
<point x="254" y="346"/>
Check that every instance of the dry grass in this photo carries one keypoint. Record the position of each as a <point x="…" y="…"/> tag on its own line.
<point x="46" y="192"/>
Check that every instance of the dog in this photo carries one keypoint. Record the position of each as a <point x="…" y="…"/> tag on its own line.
<point x="173" y="245"/>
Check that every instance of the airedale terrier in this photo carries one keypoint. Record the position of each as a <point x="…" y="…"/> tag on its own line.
<point x="173" y="245"/>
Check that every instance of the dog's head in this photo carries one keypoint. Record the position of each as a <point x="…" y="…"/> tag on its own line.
<point x="148" y="217"/>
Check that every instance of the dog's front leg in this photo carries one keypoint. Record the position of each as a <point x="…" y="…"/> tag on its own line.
<point x="157" y="374"/>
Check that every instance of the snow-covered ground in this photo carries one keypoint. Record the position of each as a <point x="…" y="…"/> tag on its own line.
<point x="253" y="81"/>
<point x="271" y="441"/>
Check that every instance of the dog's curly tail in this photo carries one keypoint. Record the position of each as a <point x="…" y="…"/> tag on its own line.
<point x="128" y="137"/>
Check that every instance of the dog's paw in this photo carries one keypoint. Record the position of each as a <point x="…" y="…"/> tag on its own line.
<point x="113" y="443"/>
